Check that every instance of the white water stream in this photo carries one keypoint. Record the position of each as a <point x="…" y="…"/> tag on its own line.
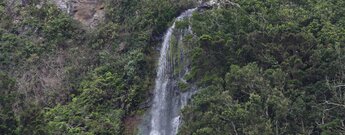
<point x="164" y="117"/>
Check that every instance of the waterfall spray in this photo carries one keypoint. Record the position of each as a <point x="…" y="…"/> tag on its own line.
<point x="164" y="117"/>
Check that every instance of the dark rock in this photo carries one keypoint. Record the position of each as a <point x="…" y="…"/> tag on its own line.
<point x="205" y="6"/>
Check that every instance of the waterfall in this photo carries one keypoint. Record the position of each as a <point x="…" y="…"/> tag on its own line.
<point x="164" y="117"/>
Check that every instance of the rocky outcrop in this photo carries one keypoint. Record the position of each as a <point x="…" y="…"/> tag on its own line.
<point x="216" y="3"/>
<point x="88" y="12"/>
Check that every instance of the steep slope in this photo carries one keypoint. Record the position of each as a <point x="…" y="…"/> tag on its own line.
<point x="261" y="67"/>
<point x="65" y="79"/>
<point x="268" y="67"/>
<point x="89" y="12"/>
<point x="164" y="116"/>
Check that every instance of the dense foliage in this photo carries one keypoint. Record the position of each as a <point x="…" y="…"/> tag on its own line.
<point x="58" y="77"/>
<point x="268" y="67"/>
<point x="262" y="66"/>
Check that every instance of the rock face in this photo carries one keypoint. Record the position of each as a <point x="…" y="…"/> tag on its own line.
<point x="62" y="4"/>
<point x="216" y="3"/>
<point x="88" y="12"/>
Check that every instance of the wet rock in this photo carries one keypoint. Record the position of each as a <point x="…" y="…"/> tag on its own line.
<point x="205" y="6"/>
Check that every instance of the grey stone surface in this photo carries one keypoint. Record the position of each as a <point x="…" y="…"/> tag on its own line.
<point x="88" y="12"/>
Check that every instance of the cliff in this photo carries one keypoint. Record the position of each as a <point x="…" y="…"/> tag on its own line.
<point x="88" y="12"/>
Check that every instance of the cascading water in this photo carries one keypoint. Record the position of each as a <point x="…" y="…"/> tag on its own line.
<point x="164" y="118"/>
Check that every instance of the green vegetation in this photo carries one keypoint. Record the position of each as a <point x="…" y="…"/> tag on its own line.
<point x="263" y="67"/>
<point x="7" y="95"/>
<point x="183" y="86"/>
<point x="182" y="24"/>
<point x="268" y="67"/>
<point x="59" y="78"/>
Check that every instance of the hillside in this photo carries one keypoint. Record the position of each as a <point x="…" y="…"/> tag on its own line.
<point x="248" y="66"/>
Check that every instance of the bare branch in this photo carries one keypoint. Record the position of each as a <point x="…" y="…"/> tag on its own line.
<point x="336" y="104"/>
<point x="341" y="85"/>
